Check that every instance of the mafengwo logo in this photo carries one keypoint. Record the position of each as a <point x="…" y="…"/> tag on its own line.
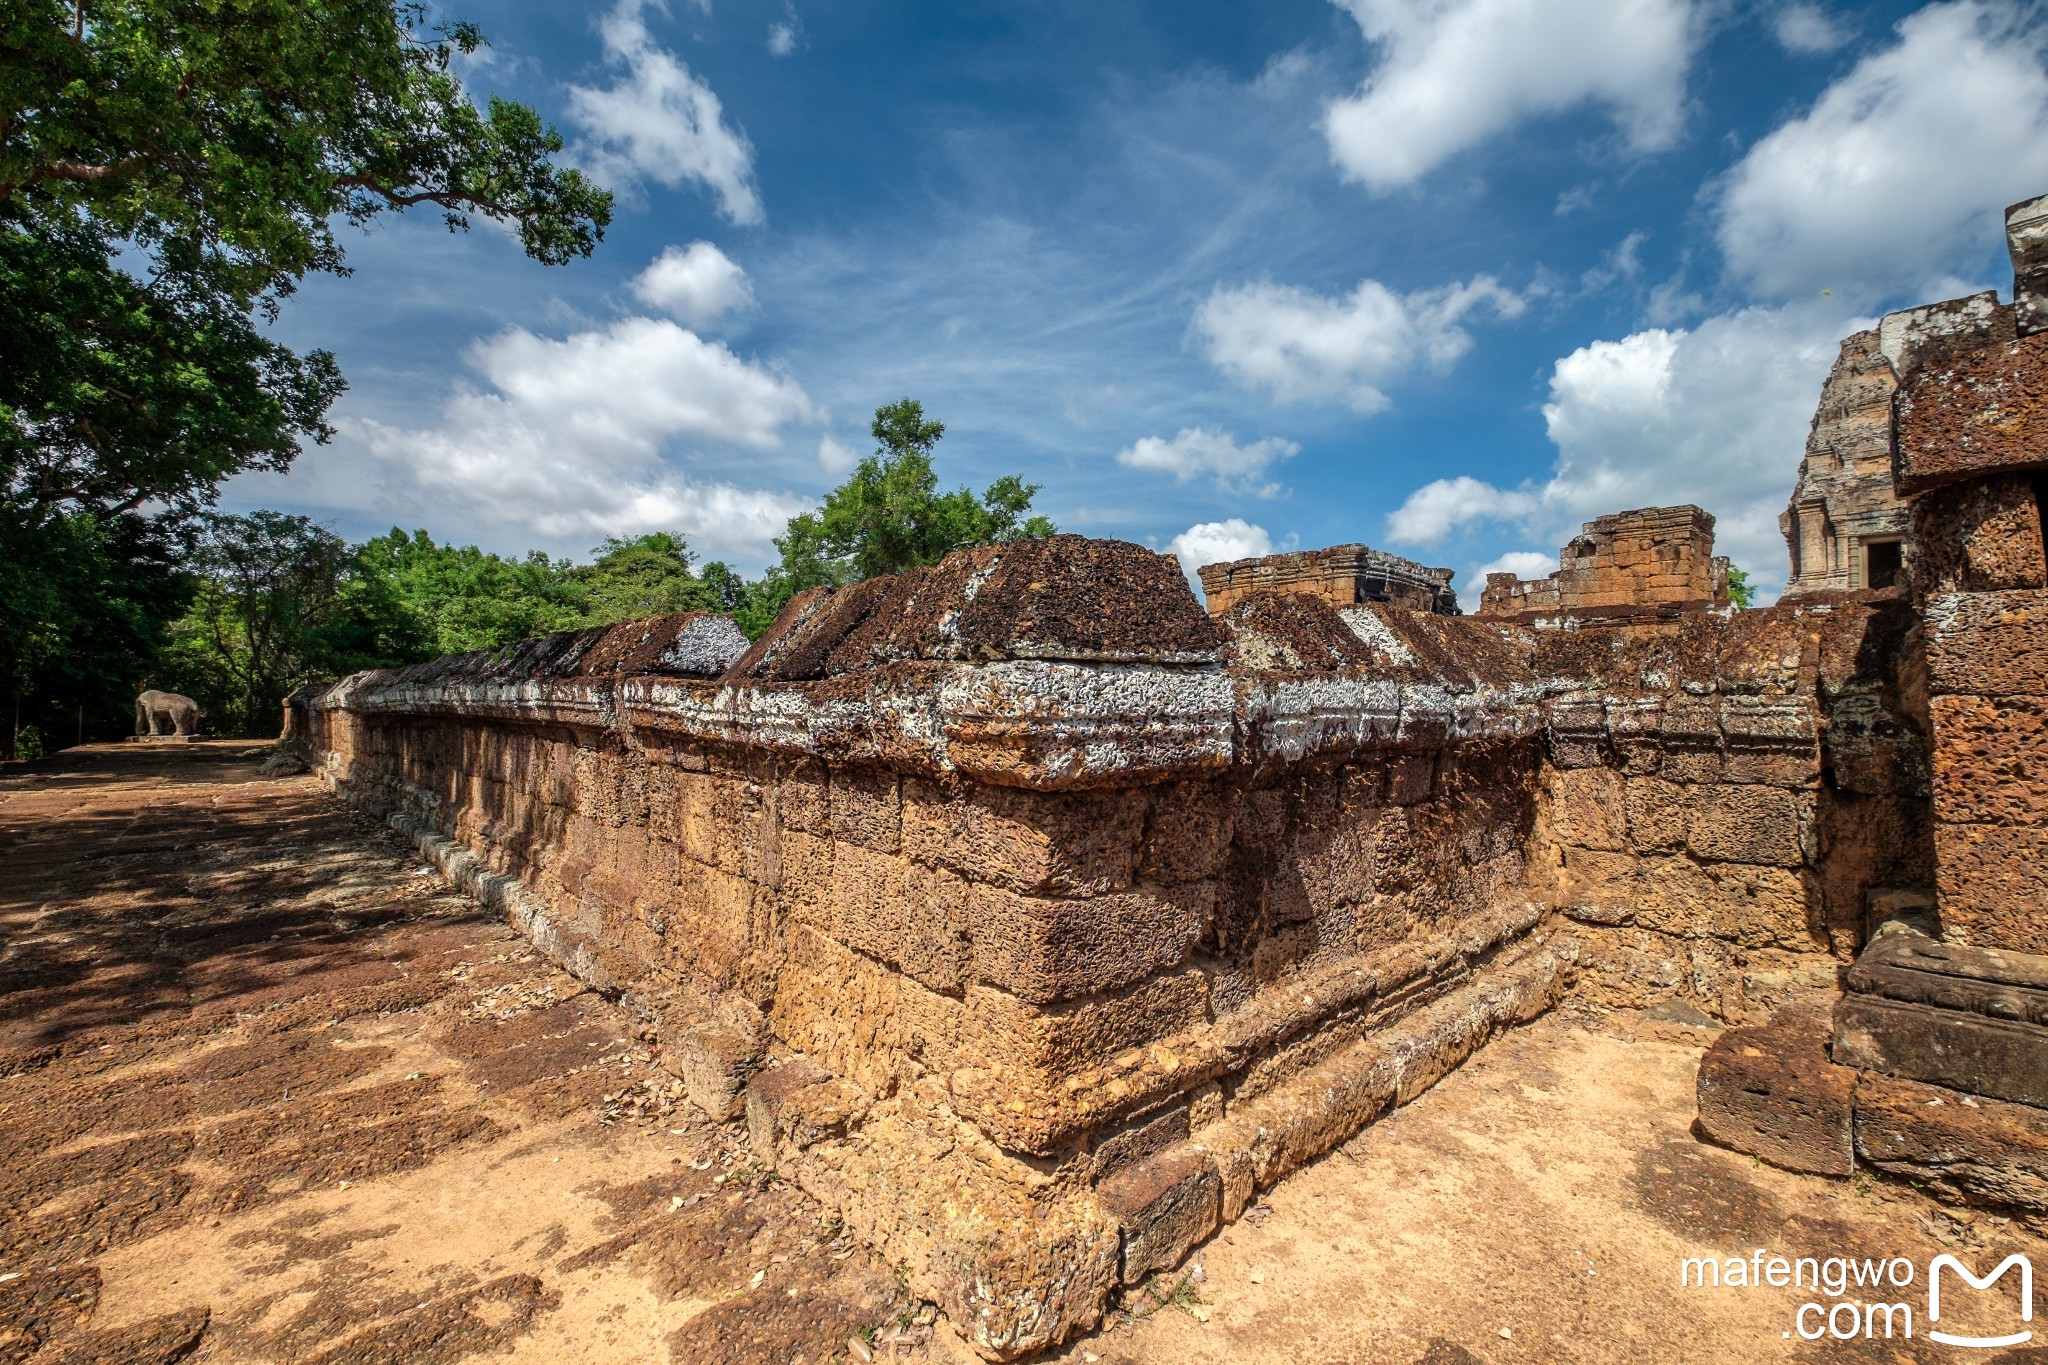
<point x="1844" y="1313"/>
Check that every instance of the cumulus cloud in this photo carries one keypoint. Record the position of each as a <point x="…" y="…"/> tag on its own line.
<point x="659" y="122"/>
<point x="565" y="438"/>
<point x="1899" y="163"/>
<point x="1201" y="450"/>
<point x="1440" y="507"/>
<point x="836" y="456"/>
<point x="781" y="39"/>
<point x="1808" y="30"/>
<point x="696" y="285"/>
<point x="1218" y="542"/>
<point x="1716" y="415"/>
<point x="1452" y="73"/>
<point x="1301" y="345"/>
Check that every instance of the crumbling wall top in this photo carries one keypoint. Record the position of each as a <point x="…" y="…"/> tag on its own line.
<point x="1978" y="413"/>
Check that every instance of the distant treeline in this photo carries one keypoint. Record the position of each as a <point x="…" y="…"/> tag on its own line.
<point x="236" y="611"/>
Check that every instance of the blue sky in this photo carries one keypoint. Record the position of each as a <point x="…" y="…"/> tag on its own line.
<point x="1444" y="276"/>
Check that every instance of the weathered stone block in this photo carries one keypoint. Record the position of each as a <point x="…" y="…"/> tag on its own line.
<point x="797" y="1105"/>
<point x="1988" y="644"/>
<point x="1186" y="833"/>
<point x="1772" y="1092"/>
<point x="1749" y="824"/>
<point x="1066" y="843"/>
<point x="1994" y="1057"/>
<point x="1165" y="1205"/>
<point x="1659" y="814"/>
<point x="912" y="917"/>
<point x="1987" y="754"/>
<point x="1977" y="1151"/>
<point x="1141" y="1139"/>
<point x="1588" y="808"/>
<point x="1976" y="415"/>
<point x="867" y="808"/>
<point x="1993" y="885"/>
<point x="1980" y="536"/>
<point x="1043" y="949"/>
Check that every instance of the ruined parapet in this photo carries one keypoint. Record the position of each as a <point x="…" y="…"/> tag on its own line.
<point x="1037" y="920"/>
<point x="1342" y="575"/>
<point x="1951" y="994"/>
<point x="1651" y="562"/>
<point x="1846" y="526"/>
<point x="2026" y="240"/>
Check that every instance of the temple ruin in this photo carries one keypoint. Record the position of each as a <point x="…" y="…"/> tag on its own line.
<point x="1342" y="575"/>
<point x="1035" y="918"/>
<point x="1628" y="566"/>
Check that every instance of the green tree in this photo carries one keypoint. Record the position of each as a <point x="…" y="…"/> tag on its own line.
<point x="169" y="171"/>
<point x="271" y="592"/>
<point x="890" y="515"/>
<point x="645" y="576"/>
<point x="91" y="600"/>
<point x="449" y="599"/>
<point x="1741" y="591"/>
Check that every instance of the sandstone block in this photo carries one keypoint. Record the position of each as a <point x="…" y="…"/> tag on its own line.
<point x="1065" y="843"/>
<point x="1588" y="808"/>
<point x="867" y="808"/>
<point x="1165" y="1206"/>
<point x="1772" y="1092"/>
<point x="1988" y="644"/>
<point x="1977" y="1151"/>
<point x="1749" y="824"/>
<point x="1043" y="949"/>
<point x="1994" y="1057"/>
<point x="796" y="1105"/>
<point x="1987" y="755"/>
<point x="1993" y="885"/>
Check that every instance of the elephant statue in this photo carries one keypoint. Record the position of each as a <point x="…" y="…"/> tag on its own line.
<point x="166" y="713"/>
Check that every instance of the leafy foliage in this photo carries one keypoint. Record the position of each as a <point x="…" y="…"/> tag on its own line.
<point x="890" y="515"/>
<point x="169" y="171"/>
<point x="1741" y="591"/>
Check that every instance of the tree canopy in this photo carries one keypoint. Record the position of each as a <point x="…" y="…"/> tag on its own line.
<point x="890" y="515"/>
<point x="169" y="171"/>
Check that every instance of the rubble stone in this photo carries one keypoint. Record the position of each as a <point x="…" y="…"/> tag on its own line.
<point x="1772" y="1092"/>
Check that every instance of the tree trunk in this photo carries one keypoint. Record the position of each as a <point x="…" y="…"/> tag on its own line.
<point x="10" y="699"/>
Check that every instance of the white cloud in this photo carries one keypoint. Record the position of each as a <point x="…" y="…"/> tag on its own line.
<point x="1900" y="163"/>
<point x="1300" y="345"/>
<point x="836" y="456"/>
<point x="1453" y="73"/>
<point x="1808" y="30"/>
<point x="781" y="39"/>
<point x="696" y="285"/>
<point x="1218" y="542"/>
<point x="1716" y="415"/>
<point x="660" y="123"/>
<point x="567" y="437"/>
<point x="1201" y="450"/>
<point x="1437" y="508"/>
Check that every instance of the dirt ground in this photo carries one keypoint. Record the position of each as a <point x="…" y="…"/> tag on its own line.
<point x="268" y="1092"/>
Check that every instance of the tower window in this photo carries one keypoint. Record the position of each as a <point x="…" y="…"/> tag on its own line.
<point x="1883" y="564"/>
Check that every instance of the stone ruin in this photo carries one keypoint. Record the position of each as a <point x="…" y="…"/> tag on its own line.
<point x="1035" y="918"/>
<point x="1342" y="575"/>
<point x="1654" y="561"/>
